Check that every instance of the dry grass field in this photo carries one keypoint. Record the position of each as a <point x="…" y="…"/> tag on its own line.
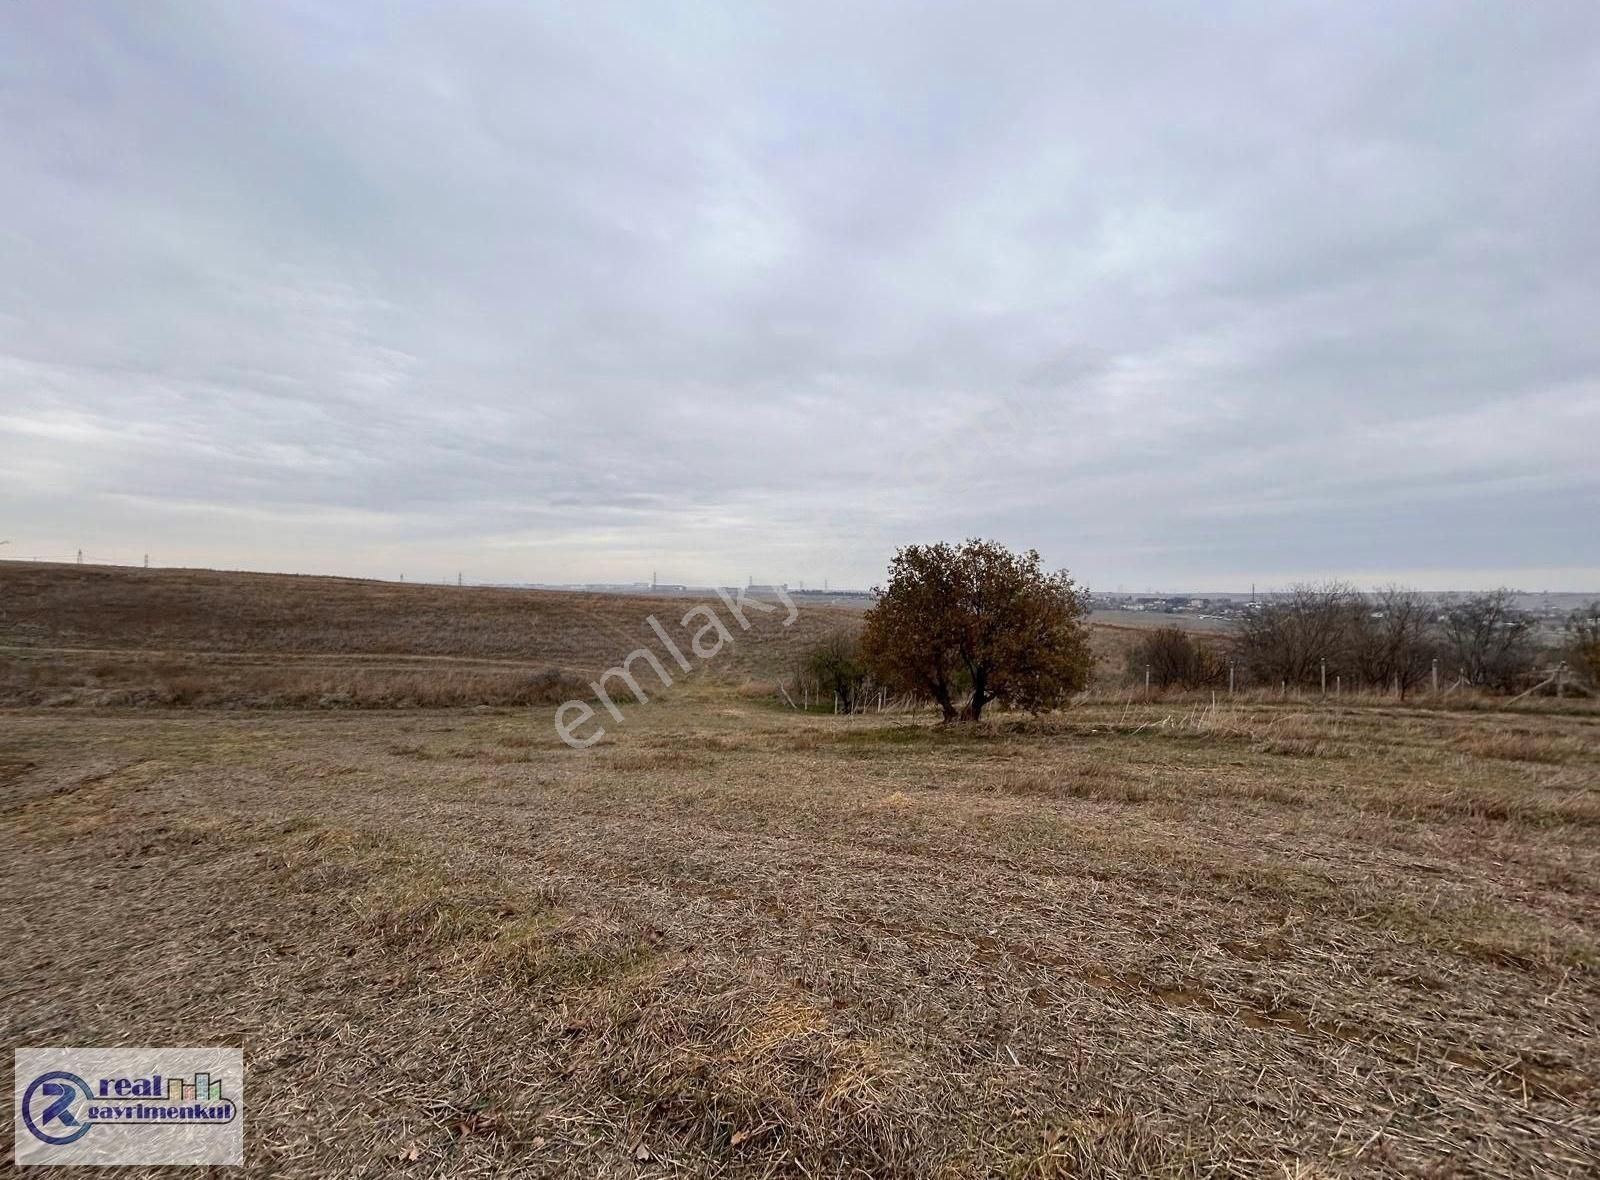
<point x="114" y="636"/>
<point x="76" y="635"/>
<point x="1133" y="939"/>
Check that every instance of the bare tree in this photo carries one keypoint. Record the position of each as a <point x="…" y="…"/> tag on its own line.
<point x="1489" y="639"/>
<point x="1289" y="639"/>
<point x="1395" y="641"/>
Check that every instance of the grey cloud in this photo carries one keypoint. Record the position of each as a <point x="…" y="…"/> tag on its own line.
<point x="1179" y="295"/>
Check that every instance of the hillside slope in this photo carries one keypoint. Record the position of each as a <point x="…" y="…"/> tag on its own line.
<point x="111" y="635"/>
<point x="106" y="635"/>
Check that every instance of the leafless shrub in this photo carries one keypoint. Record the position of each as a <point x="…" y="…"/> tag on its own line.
<point x="1582" y="647"/>
<point x="1489" y="640"/>
<point x="832" y="670"/>
<point x="1175" y="658"/>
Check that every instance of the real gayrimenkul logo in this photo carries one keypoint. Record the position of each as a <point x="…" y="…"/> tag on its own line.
<point x="129" y="1106"/>
<point x="709" y="637"/>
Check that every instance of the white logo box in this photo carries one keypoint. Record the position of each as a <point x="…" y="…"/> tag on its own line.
<point x="128" y="1106"/>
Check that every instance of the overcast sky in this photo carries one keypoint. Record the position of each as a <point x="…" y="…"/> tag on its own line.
<point x="1183" y="295"/>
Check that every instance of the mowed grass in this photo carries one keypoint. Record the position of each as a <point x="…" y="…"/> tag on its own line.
<point x="1127" y="940"/>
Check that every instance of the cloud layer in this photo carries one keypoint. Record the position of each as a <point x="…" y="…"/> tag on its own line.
<point x="1191" y="296"/>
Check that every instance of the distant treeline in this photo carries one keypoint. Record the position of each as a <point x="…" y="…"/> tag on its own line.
<point x="1393" y="640"/>
<point x="964" y="625"/>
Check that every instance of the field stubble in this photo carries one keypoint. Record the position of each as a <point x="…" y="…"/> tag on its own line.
<point x="1128" y="940"/>
<point x="1164" y="937"/>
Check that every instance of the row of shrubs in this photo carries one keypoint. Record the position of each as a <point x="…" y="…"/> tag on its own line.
<point x="1395" y="640"/>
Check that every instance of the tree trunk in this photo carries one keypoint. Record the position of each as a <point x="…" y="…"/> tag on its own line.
<point x="979" y="697"/>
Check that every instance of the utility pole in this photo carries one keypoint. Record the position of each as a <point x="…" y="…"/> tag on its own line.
<point x="1324" y="664"/>
<point x="80" y="557"/>
<point x="146" y="561"/>
<point x="458" y="579"/>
